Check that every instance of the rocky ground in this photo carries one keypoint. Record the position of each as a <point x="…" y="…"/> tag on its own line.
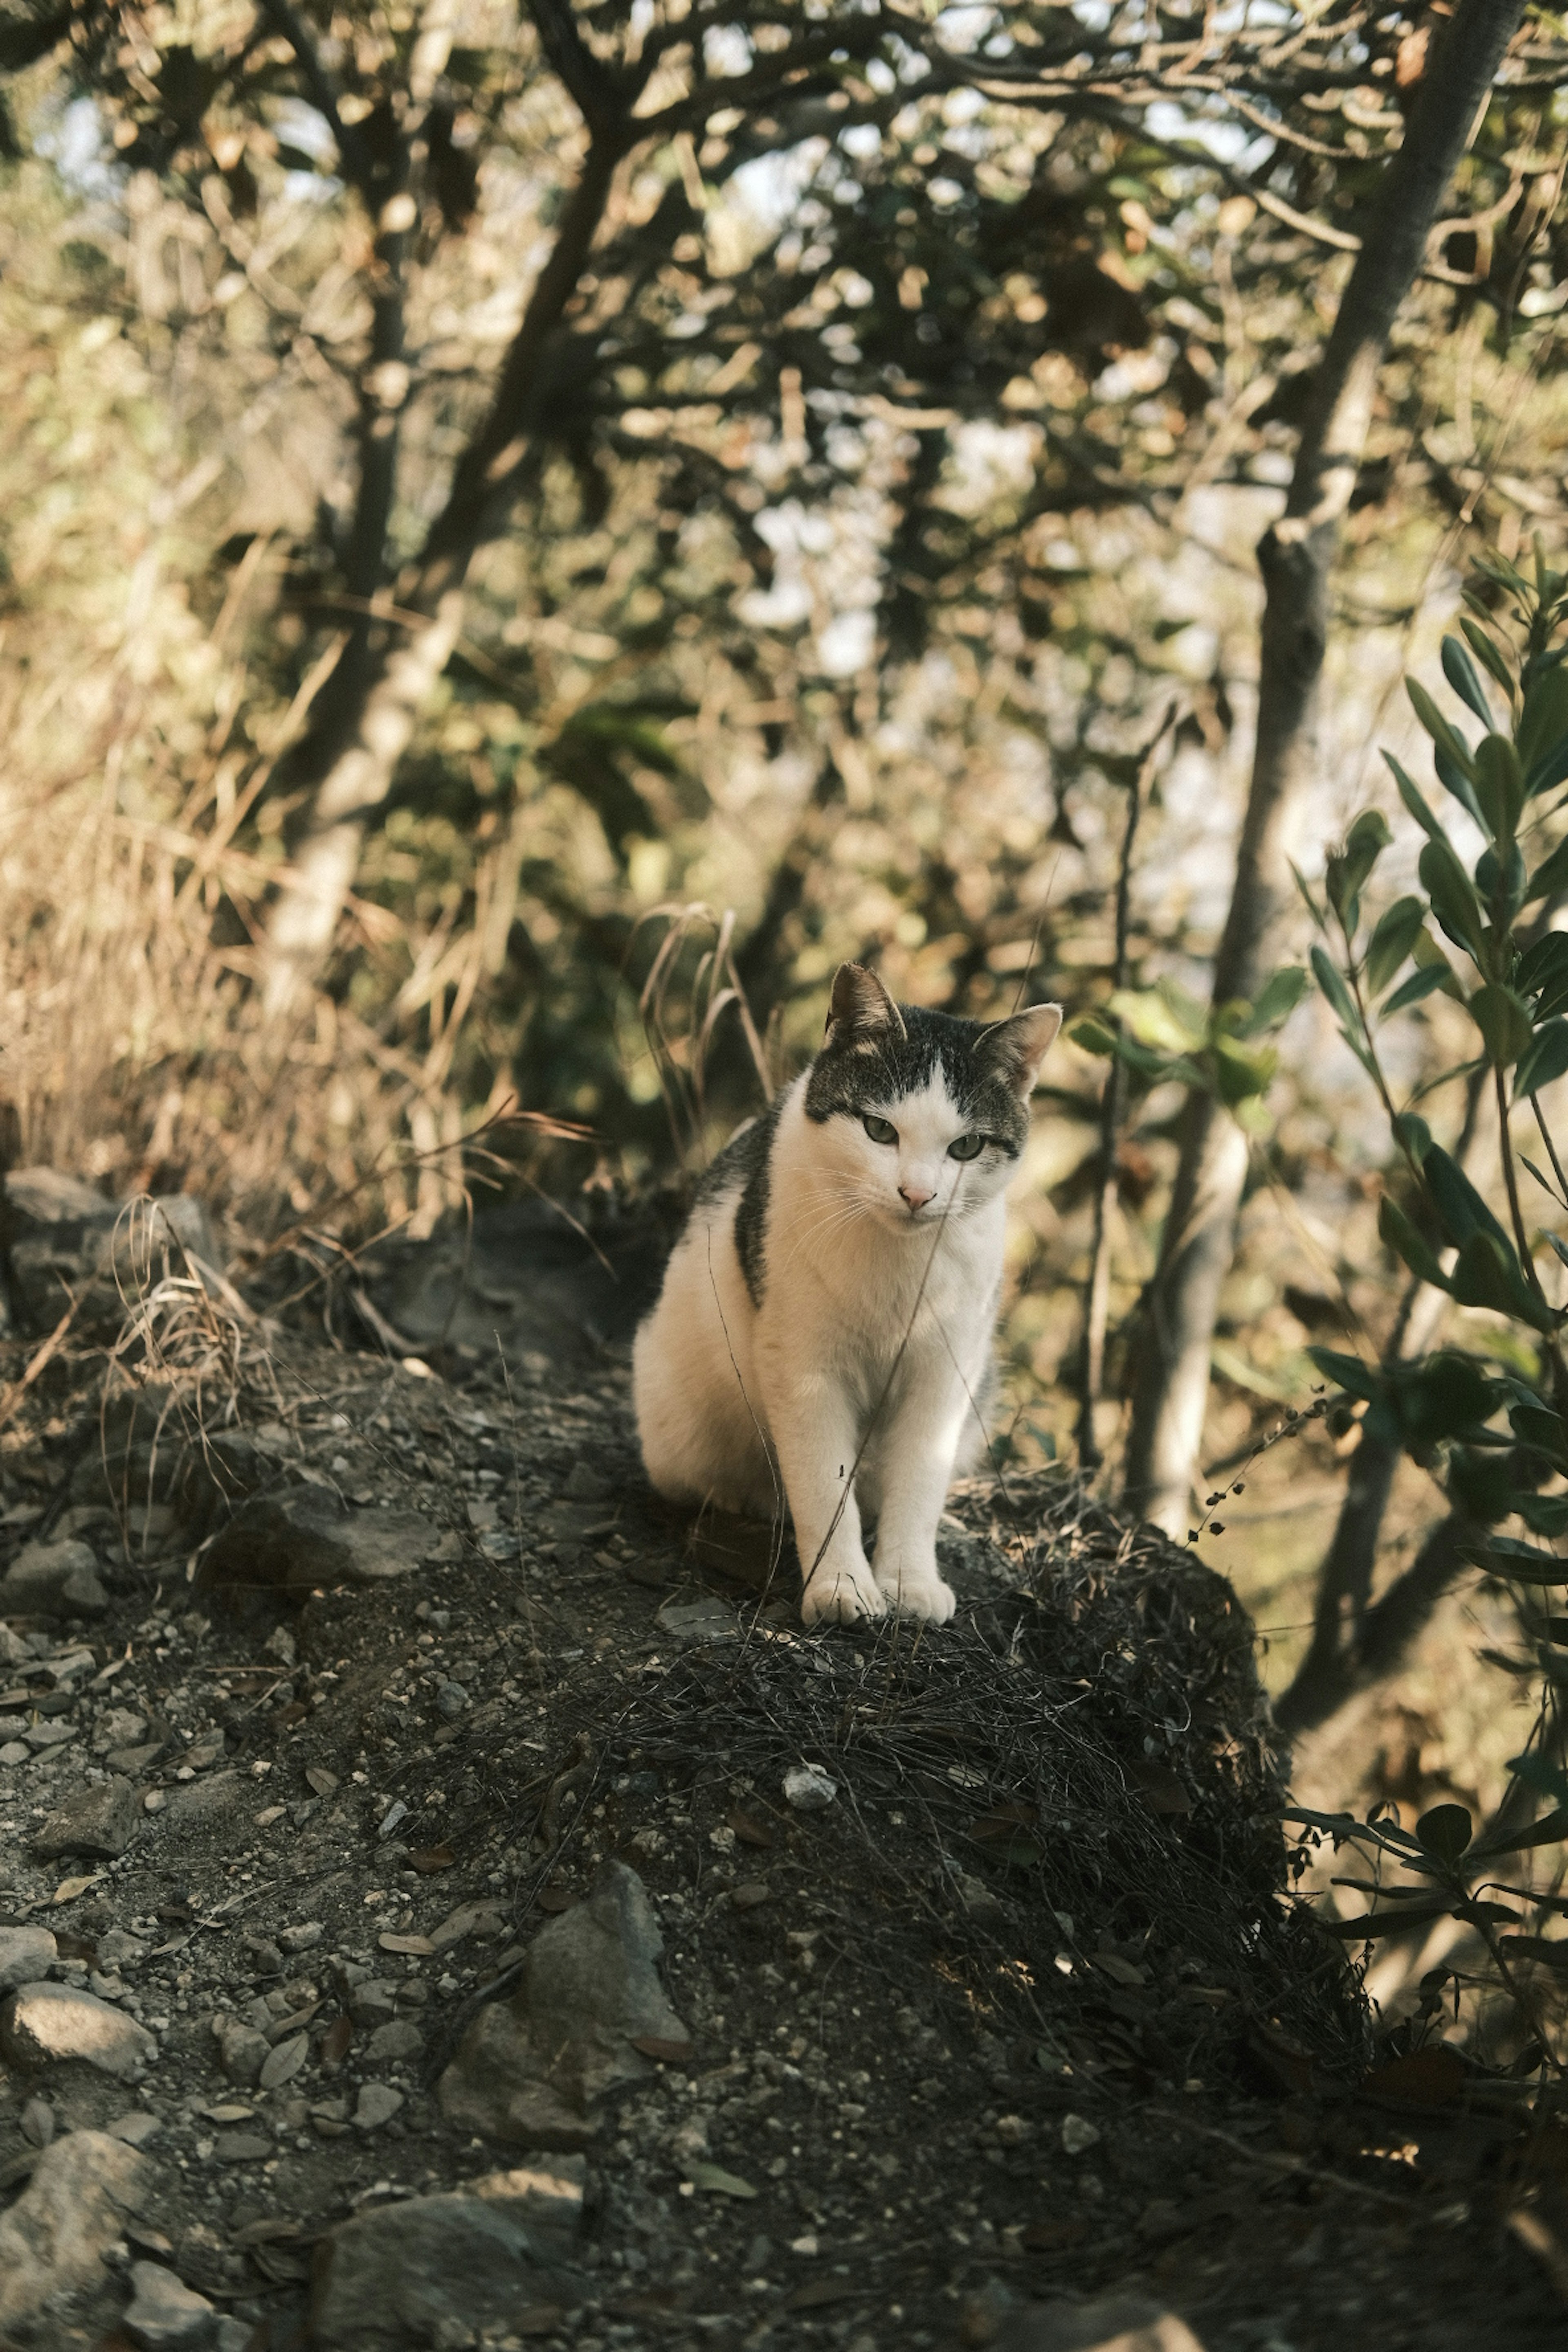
<point x="445" y="1901"/>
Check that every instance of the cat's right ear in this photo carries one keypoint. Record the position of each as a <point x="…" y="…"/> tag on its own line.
<point x="861" y="1013"/>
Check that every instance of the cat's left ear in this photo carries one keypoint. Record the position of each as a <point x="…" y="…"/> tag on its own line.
<point x="1015" y="1048"/>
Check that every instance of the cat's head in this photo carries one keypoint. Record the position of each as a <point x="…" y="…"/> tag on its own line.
<point x="922" y="1115"/>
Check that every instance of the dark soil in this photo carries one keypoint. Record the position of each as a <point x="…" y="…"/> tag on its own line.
<point x="1024" y="2012"/>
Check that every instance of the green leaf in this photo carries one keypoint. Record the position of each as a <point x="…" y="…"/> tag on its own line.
<point x="1548" y="1780"/>
<point x="1543" y="730"/>
<point x="1515" y="1562"/>
<point x="1241" y="1070"/>
<point x="1339" y="995"/>
<point x="1499" y="785"/>
<point x="1395" y="1228"/>
<point x="1398" y="931"/>
<point x="1092" y="1037"/>
<point x="1543" y="1514"/>
<point x="1544" y="966"/>
<point x="1535" y="1426"/>
<point x="1424" y="983"/>
<point x="1503" y="1020"/>
<point x="1447" y="738"/>
<point x="1544" y="1059"/>
<point x="1445" y="1832"/>
<point x="1550" y="876"/>
<point x="1459" y="1206"/>
<point x="1410" y="793"/>
<point x="1453" y="895"/>
<point x="1486" y="1273"/>
<point x="1488" y="653"/>
<point x="1388" y="1923"/>
<point x="1414" y="1136"/>
<point x="1163" y="1017"/>
<point x="714" y="2178"/>
<point x="1447" y="1396"/>
<point x="1276" y="999"/>
<point x="1348" y="1372"/>
<point x="1460" y="672"/>
<point x="1542" y="1832"/>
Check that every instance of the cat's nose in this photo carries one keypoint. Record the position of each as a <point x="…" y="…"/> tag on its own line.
<point x="913" y="1198"/>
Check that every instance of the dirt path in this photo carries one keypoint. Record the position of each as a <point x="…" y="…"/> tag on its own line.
<point x="1010" y="2017"/>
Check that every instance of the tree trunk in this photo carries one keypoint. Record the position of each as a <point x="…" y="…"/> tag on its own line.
<point x="1294" y="557"/>
<point x="366" y="714"/>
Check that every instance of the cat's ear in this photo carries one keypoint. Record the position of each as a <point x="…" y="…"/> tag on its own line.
<point x="861" y="1011"/>
<point x="1015" y="1048"/>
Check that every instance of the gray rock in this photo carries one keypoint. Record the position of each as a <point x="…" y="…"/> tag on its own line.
<point x="164" y="2312"/>
<point x="692" y="1623"/>
<point x="242" y="2053"/>
<point x="430" y="2271"/>
<point x="53" y="1580"/>
<point x="376" y="2104"/>
<point x="293" y="1540"/>
<point x="547" y="2197"/>
<point x="72" y="2211"/>
<point x="117" y="1726"/>
<point x="96" y="1821"/>
<point x="451" y="1700"/>
<point x="117" y="1948"/>
<point x="373" y="2002"/>
<point x="1114" y="2322"/>
<point x="396" y="2040"/>
<point x="13" y="1651"/>
<point x="46" y="2024"/>
<point x="808" y="1789"/>
<point x="37" y="2123"/>
<point x="200" y="1802"/>
<point x="26" y="1955"/>
<point x="530" y="2070"/>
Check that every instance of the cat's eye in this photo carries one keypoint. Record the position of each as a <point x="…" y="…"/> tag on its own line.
<point x="881" y="1130"/>
<point x="966" y="1146"/>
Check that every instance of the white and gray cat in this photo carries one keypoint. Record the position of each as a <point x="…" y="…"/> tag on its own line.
<point x="823" y="1337"/>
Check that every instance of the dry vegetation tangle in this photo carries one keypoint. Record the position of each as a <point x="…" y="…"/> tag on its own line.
<point x="386" y="1671"/>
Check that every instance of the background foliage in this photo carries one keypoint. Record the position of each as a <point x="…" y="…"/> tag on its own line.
<point x="890" y="476"/>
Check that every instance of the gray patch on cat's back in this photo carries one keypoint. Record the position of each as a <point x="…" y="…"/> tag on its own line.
<point x="745" y="1164"/>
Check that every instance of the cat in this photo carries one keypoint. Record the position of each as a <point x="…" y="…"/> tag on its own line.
<point x="823" y="1336"/>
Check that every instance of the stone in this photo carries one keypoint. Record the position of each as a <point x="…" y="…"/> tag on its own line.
<point x="240" y="2147"/>
<point x="117" y="1726"/>
<point x="1078" y="2134"/>
<point x="529" y="2070"/>
<point x="975" y="1898"/>
<point x="546" y="2198"/>
<point x="212" y="1798"/>
<point x="53" y="1580"/>
<point x="164" y="2312"/>
<point x="291" y="1541"/>
<point x="120" y="1949"/>
<point x="46" y="2024"/>
<point x="1114" y="2322"/>
<point x="376" y="2104"/>
<point x="809" y="1789"/>
<point x="431" y="2272"/>
<point x="242" y="2053"/>
<point x="136" y="2129"/>
<point x="37" y="2123"/>
<point x="26" y="1955"/>
<point x="96" y="1821"/>
<point x="451" y="1700"/>
<point x="692" y="1622"/>
<point x="395" y="2041"/>
<point x="72" y="2211"/>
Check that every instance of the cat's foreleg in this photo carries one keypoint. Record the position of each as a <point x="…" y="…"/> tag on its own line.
<point x="815" y="1435"/>
<point x="918" y="1454"/>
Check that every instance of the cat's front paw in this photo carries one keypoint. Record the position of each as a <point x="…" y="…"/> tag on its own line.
<point x="840" y="1596"/>
<point x="926" y="1597"/>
